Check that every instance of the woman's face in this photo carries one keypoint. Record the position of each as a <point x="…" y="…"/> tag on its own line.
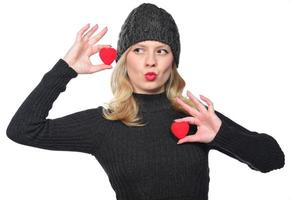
<point x="149" y="64"/>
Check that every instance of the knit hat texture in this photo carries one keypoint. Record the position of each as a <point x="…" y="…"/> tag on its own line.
<point x="149" y="22"/>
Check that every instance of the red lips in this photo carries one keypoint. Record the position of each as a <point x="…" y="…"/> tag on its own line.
<point x="150" y="76"/>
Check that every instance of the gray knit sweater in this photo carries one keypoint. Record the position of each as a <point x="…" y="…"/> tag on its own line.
<point x="142" y="163"/>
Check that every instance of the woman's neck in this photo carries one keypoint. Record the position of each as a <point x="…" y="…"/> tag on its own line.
<point x="152" y="102"/>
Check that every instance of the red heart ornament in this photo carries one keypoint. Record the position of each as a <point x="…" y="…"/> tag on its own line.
<point x="107" y="55"/>
<point x="180" y="129"/>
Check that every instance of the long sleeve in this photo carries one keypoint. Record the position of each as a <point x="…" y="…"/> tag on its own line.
<point x="79" y="131"/>
<point x="259" y="151"/>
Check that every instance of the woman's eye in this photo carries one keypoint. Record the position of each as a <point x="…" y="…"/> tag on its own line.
<point x="162" y="51"/>
<point x="138" y="50"/>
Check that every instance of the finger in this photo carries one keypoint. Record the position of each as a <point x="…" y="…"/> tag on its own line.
<point x="97" y="37"/>
<point x="87" y="35"/>
<point x="209" y="103"/>
<point x="81" y="31"/>
<point x="192" y="111"/>
<point x="190" y="120"/>
<point x="100" y="67"/>
<point x="196" y="101"/>
<point x="97" y="48"/>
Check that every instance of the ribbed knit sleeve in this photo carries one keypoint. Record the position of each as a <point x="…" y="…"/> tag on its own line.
<point x="259" y="151"/>
<point x="79" y="131"/>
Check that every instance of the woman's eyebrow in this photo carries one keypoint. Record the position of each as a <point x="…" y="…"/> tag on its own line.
<point x="162" y="45"/>
<point x="140" y="45"/>
<point x="145" y="46"/>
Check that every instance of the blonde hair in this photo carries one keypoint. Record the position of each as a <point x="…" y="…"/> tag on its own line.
<point x="124" y="107"/>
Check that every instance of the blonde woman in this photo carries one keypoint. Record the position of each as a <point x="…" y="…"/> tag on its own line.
<point x="131" y="137"/>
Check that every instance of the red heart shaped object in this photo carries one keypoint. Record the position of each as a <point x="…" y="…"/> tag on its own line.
<point x="107" y="55"/>
<point x="180" y="129"/>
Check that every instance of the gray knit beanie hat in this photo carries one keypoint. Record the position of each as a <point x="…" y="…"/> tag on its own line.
<point x="149" y="22"/>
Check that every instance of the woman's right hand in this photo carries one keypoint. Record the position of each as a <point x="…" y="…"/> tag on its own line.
<point x="84" y="46"/>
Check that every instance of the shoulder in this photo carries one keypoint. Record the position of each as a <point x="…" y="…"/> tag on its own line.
<point x="89" y="115"/>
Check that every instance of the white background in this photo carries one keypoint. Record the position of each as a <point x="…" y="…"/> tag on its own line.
<point x="237" y="53"/>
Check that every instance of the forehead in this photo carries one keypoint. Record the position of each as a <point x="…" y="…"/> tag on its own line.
<point x="151" y="43"/>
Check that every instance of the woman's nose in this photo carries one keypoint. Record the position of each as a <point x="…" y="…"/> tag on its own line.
<point x="150" y="60"/>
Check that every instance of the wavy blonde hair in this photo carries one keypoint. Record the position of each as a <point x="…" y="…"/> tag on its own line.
<point x="124" y="107"/>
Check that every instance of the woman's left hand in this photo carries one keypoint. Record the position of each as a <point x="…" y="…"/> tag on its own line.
<point x="207" y="122"/>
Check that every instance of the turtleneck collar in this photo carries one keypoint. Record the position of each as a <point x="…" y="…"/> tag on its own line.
<point x="152" y="102"/>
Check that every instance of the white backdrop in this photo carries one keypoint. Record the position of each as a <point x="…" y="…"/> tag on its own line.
<point x="237" y="53"/>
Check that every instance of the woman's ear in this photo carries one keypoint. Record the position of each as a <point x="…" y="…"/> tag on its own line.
<point x="174" y="65"/>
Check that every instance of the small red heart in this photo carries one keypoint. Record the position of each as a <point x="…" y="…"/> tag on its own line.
<point x="180" y="129"/>
<point x="107" y="55"/>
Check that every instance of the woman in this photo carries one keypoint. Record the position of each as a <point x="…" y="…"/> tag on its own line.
<point x="131" y="138"/>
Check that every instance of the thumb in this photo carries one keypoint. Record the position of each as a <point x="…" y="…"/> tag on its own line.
<point x="189" y="138"/>
<point x="96" y="68"/>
